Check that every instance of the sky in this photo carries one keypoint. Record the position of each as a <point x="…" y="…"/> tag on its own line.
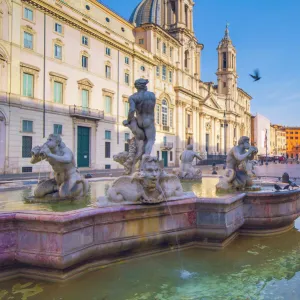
<point x="266" y="34"/>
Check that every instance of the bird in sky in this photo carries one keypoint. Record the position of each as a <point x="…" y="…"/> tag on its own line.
<point x="256" y="75"/>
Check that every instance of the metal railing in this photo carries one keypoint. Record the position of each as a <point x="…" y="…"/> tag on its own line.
<point x="86" y="112"/>
<point x="217" y="159"/>
<point x="166" y="128"/>
<point x="167" y="145"/>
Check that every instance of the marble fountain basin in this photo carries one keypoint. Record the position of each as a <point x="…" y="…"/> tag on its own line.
<point x="59" y="241"/>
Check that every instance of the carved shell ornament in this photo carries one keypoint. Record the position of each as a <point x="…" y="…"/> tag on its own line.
<point x="208" y="126"/>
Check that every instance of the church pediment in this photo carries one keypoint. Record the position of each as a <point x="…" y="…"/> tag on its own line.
<point x="211" y="102"/>
<point x="85" y="82"/>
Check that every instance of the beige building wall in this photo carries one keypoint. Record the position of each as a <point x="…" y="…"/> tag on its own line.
<point x="196" y="111"/>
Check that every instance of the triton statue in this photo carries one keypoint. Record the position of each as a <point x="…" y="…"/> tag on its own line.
<point x="67" y="182"/>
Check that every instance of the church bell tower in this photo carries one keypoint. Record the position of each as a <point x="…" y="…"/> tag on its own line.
<point x="227" y="76"/>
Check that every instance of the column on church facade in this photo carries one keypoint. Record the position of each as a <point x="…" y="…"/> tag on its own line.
<point x="202" y="132"/>
<point x="179" y="137"/>
<point x="216" y="136"/>
<point x="194" y="116"/>
<point x="177" y="9"/>
<point x="222" y="139"/>
<point x="229" y="136"/>
<point x="197" y="132"/>
<point x="182" y="11"/>
<point x="166" y="13"/>
<point x="212" y="136"/>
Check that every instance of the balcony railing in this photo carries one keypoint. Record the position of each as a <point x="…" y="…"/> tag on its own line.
<point x="166" y="128"/>
<point x="166" y="145"/>
<point x="189" y="130"/>
<point x="86" y="112"/>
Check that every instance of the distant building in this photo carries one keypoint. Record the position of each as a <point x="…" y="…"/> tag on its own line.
<point x="69" y="66"/>
<point x="261" y="134"/>
<point x="278" y="140"/>
<point x="293" y="142"/>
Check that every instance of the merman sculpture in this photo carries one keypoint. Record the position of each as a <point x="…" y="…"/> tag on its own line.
<point x="67" y="182"/>
<point x="148" y="182"/>
<point x="237" y="175"/>
<point x="186" y="170"/>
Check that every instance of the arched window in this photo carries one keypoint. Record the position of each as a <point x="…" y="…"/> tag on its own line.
<point x="164" y="112"/>
<point x="186" y="58"/>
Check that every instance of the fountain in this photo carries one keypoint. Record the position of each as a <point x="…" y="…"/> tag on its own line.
<point x="58" y="242"/>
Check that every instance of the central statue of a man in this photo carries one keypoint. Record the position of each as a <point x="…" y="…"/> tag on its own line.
<point x="140" y="118"/>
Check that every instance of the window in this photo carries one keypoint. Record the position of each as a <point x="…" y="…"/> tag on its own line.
<point x="85" y="98"/>
<point x="57" y="51"/>
<point x="84" y="62"/>
<point x="28" y="40"/>
<point x="171" y="155"/>
<point x="158" y="44"/>
<point x="107" y="71"/>
<point x="28" y="14"/>
<point x="157" y="154"/>
<point x="157" y="71"/>
<point x="107" y="135"/>
<point x="186" y="59"/>
<point x="27" y="85"/>
<point x="58" y="92"/>
<point x="164" y="112"/>
<point x="85" y="40"/>
<point x="170" y="76"/>
<point x="143" y="68"/>
<point x="27" y="126"/>
<point x="107" y="51"/>
<point x="189" y="121"/>
<point x="107" y="107"/>
<point x="127" y="136"/>
<point x="164" y="73"/>
<point x="157" y="113"/>
<point x="107" y="149"/>
<point x="26" y="146"/>
<point x="141" y="41"/>
<point x="224" y="60"/>
<point x="127" y="78"/>
<point x="171" y="117"/>
<point x="57" y="129"/>
<point x="186" y="12"/>
<point x="58" y="28"/>
<point x="126" y="109"/>
<point x="165" y="140"/>
<point x="164" y="48"/>
<point x="127" y="60"/>
<point x="224" y="84"/>
<point x="171" y="52"/>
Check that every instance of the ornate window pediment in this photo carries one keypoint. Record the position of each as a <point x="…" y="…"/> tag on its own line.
<point x="107" y="92"/>
<point x="58" y="77"/>
<point x="29" y="69"/>
<point x="85" y="84"/>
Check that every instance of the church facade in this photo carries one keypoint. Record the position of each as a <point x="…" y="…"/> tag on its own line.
<point x="68" y="67"/>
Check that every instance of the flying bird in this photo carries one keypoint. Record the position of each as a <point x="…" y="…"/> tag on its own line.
<point x="277" y="187"/>
<point x="256" y="75"/>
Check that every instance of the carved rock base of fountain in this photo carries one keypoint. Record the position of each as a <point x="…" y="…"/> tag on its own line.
<point x="151" y="185"/>
<point x="191" y="175"/>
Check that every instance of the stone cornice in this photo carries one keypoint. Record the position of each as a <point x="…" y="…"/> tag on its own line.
<point x="187" y="92"/>
<point x="83" y="27"/>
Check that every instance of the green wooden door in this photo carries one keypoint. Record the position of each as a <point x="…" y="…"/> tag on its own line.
<point x="164" y="155"/>
<point x="83" y="146"/>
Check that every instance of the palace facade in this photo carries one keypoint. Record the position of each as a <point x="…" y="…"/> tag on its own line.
<point x="68" y="67"/>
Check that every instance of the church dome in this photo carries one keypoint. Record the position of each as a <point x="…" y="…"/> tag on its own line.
<point x="147" y="11"/>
